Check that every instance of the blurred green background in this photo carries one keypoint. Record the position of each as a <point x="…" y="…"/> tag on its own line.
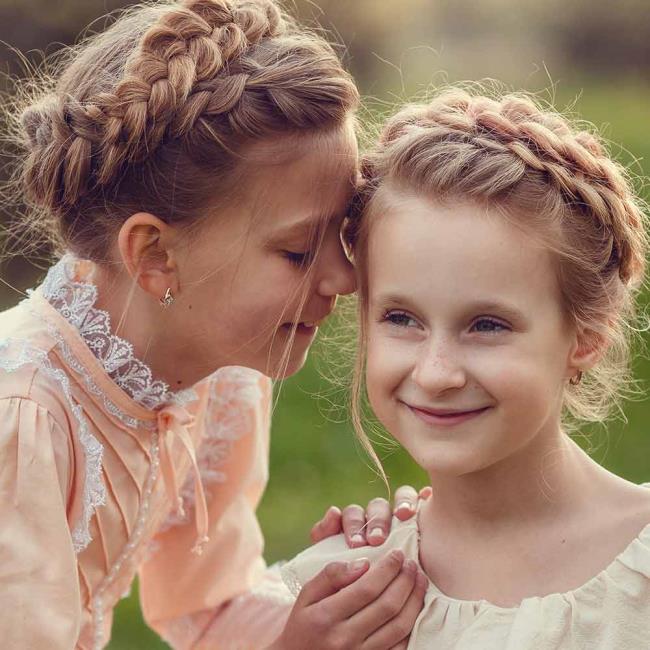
<point x="589" y="58"/>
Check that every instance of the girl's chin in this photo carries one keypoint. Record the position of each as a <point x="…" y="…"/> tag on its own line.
<point x="283" y="369"/>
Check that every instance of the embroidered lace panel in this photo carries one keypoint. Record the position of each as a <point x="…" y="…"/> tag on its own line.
<point x="13" y="355"/>
<point x="75" y="300"/>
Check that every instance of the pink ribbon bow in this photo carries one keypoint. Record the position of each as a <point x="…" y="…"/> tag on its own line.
<point x="173" y="421"/>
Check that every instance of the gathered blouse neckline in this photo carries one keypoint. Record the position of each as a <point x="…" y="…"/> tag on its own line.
<point x="69" y="289"/>
<point x="628" y="557"/>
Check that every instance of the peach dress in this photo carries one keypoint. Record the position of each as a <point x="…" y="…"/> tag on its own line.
<point x="104" y="473"/>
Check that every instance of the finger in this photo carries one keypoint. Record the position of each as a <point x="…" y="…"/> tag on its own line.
<point x="387" y="606"/>
<point x="395" y="632"/>
<point x="406" y="499"/>
<point x="368" y="587"/>
<point x="378" y="521"/>
<point x="329" y="525"/>
<point x="331" y="579"/>
<point x="426" y="492"/>
<point x="354" y="521"/>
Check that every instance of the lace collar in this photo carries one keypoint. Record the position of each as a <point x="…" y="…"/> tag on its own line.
<point x="69" y="289"/>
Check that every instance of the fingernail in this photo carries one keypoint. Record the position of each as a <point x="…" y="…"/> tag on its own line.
<point x="376" y="532"/>
<point x="357" y="539"/>
<point x="409" y="566"/>
<point x="398" y="555"/>
<point x="404" y="507"/>
<point x="357" y="565"/>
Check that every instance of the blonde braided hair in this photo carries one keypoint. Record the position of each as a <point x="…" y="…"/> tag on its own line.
<point x="509" y="152"/>
<point x="167" y="87"/>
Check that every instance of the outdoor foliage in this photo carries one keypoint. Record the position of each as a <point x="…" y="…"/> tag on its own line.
<point x="591" y="58"/>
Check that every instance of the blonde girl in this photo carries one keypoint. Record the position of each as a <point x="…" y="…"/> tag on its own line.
<point x="499" y="249"/>
<point x="192" y="165"/>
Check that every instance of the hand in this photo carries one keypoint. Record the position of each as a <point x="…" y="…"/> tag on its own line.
<point x="372" y="525"/>
<point x="348" y="606"/>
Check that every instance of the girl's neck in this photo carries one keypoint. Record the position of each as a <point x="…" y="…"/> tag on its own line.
<point x="549" y="476"/>
<point x="148" y="327"/>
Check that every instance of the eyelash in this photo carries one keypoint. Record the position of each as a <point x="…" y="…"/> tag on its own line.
<point x="398" y="319"/>
<point x="299" y="260"/>
<point x="393" y="316"/>
<point x="493" y="321"/>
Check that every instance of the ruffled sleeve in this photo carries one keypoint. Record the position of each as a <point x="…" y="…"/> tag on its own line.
<point x="39" y="589"/>
<point x="191" y="600"/>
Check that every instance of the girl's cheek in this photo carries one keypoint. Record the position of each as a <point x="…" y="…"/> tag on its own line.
<point x="510" y="378"/>
<point x="388" y="364"/>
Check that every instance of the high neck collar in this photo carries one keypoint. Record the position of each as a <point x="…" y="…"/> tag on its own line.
<point x="69" y="288"/>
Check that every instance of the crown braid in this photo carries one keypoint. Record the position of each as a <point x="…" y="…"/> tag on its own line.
<point x="198" y="73"/>
<point x="484" y="147"/>
<point x="508" y="152"/>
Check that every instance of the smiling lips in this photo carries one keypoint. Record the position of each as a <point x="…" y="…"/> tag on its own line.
<point x="445" y="417"/>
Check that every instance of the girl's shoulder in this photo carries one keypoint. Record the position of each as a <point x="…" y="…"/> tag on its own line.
<point x="26" y="363"/>
<point x="303" y="567"/>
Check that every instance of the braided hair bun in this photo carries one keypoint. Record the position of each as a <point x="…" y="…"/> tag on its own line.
<point x="485" y="148"/>
<point x="171" y="90"/>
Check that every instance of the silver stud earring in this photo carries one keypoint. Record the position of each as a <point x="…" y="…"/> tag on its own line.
<point x="167" y="299"/>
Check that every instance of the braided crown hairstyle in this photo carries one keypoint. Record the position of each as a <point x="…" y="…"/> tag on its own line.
<point x="152" y="114"/>
<point x="553" y="178"/>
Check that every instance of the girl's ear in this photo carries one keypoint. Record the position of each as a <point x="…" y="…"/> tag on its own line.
<point x="145" y="244"/>
<point x="588" y="349"/>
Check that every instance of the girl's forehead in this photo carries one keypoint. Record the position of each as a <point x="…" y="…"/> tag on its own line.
<point x="316" y="182"/>
<point x="457" y="247"/>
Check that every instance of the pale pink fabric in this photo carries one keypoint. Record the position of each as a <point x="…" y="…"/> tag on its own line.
<point x="94" y="457"/>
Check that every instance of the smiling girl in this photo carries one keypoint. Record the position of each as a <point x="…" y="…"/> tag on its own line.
<point x="192" y="165"/>
<point x="498" y="251"/>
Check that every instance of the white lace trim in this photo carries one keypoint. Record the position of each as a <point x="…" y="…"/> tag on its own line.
<point x="290" y="579"/>
<point x="273" y="588"/>
<point x="74" y="300"/>
<point x="81" y="370"/>
<point x="234" y="394"/>
<point x="94" y="492"/>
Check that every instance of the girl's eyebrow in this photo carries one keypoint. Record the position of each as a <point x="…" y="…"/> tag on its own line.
<point x="385" y="299"/>
<point x="502" y="308"/>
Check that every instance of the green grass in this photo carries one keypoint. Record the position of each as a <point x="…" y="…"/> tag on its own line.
<point x="315" y="461"/>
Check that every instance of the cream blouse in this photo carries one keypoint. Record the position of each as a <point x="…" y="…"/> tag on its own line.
<point x="611" y="611"/>
<point x="105" y="472"/>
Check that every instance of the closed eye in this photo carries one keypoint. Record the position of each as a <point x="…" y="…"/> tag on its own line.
<point x="298" y="259"/>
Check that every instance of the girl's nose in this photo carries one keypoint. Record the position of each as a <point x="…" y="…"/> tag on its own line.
<point x="438" y="370"/>
<point x="336" y="273"/>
